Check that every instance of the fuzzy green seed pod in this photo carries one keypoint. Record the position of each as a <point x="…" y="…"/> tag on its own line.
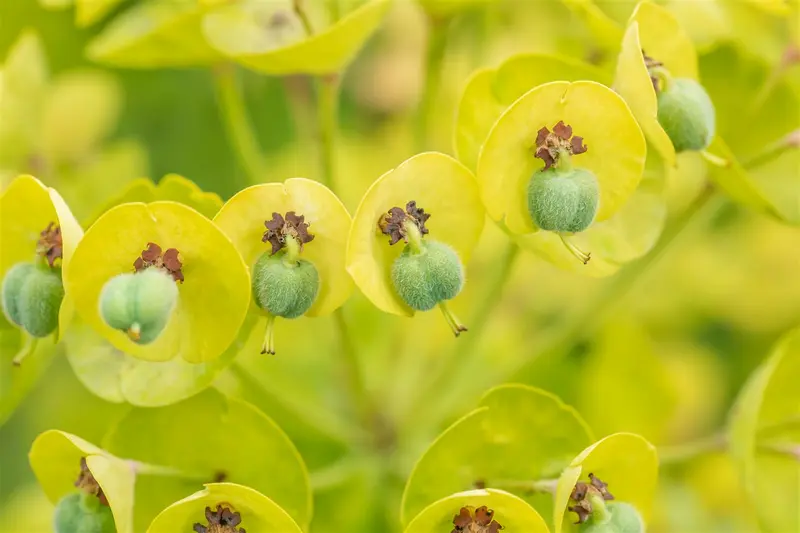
<point x="284" y="288"/>
<point x="429" y="277"/>
<point x="563" y="201"/>
<point x="82" y="513"/>
<point x="620" y="518"/>
<point x="686" y="113"/>
<point x="139" y="304"/>
<point x="32" y="298"/>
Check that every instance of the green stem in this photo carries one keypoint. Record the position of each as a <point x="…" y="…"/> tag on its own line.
<point x="238" y="128"/>
<point x="462" y="358"/>
<point x="773" y="151"/>
<point x="336" y="474"/>
<point x="327" y="116"/>
<point x="326" y="422"/>
<point x="145" y="469"/>
<point x="544" y="486"/>
<point x="354" y="375"/>
<point x="437" y="46"/>
<point x="300" y="11"/>
<point x="681" y="453"/>
<point x="664" y="76"/>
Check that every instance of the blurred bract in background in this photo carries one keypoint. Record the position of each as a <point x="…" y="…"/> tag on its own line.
<point x="223" y="224"/>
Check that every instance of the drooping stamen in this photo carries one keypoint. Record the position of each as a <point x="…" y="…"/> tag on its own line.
<point x="27" y="348"/>
<point x="582" y="256"/>
<point x="556" y="147"/>
<point x="268" y="347"/>
<point x="222" y="520"/>
<point x="452" y="320"/>
<point x="134" y="332"/>
<point x="87" y="483"/>
<point x="50" y="245"/>
<point x="168" y="261"/>
<point x="480" y="521"/>
<point x="408" y="225"/>
<point x="283" y="232"/>
<point x="588" y="498"/>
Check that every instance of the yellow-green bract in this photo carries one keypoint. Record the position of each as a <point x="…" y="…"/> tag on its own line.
<point x="440" y="185"/>
<point x="213" y="299"/>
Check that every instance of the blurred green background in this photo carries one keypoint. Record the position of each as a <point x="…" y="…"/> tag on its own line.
<point x="665" y="359"/>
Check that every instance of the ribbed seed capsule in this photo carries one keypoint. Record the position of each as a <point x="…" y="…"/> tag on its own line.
<point x="284" y="288"/>
<point x="564" y="201"/>
<point x="32" y="298"/>
<point x="139" y="304"/>
<point x="425" y="279"/>
<point x="622" y="518"/>
<point x="686" y="113"/>
<point x="82" y="513"/>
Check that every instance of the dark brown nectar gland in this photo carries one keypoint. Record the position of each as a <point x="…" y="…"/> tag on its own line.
<point x="393" y="223"/>
<point x="279" y="228"/>
<point x="223" y="520"/>
<point x="49" y="244"/>
<point x="168" y="261"/>
<point x="652" y="64"/>
<point x="88" y="484"/>
<point x="579" y="495"/>
<point x="481" y="521"/>
<point x="550" y="145"/>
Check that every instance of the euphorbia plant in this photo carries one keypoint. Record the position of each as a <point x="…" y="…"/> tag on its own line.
<point x="412" y="234"/>
<point x="292" y="237"/>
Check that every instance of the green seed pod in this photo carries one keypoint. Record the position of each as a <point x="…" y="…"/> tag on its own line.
<point x="686" y="113"/>
<point x="283" y="288"/>
<point x="564" y="201"/>
<point x="82" y="513"/>
<point x="39" y="301"/>
<point x="428" y="278"/>
<point x="12" y="286"/>
<point x="622" y="518"/>
<point x="139" y="304"/>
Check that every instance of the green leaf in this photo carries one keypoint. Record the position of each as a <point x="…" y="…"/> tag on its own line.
<point x="606" y="30"/>
<point x="257" y="512"/>
<point x="155" y="34"/>
<point x="117" y="377"/>
<point x="489" y="92"/>
<point x="519" y="433"/>
<point x="238" y="32"/>
<point x="55" y="458"/>
<point x="627" y="462"/>
<point x="210" y="436"/>
<point x="511" y="512"/>
<point x="764" y="432"/>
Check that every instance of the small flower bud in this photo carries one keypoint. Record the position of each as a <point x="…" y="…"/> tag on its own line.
<point x="139" y="304"/>
<point x="84" y="513"/>
<point x="425" y="279"/>
<point x="686" y="113"/>
<point x="32" y="297"/>
<point x="622" y="518"/>
<point x="284" y="288"/>
<point x="563" y="201"/>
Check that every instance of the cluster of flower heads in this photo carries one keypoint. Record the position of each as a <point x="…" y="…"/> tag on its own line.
<point x="169" y="261"/>
<point x="550" y="144"/>
<point x="280" y="228"/>
<point x="579" y="495"/>
<point x="221" y="520"/>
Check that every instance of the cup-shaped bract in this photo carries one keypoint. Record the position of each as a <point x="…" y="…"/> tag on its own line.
<point x="243" y="219"/>
<point x="212" y="298"/>
<point x="626" y="462"/>
<point x="653" y="31"/>
<point x="226" y="504"/>
<point x="272" y="38"/>
<point x="28" y="210"/>
<point x="616" y="148"/>
<point x="517" y="432"/>
<point x="440" y="185"/>
<point x="489" y="509"/>
<point x="762" y="421"/>
<point x="61" y="460"/>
